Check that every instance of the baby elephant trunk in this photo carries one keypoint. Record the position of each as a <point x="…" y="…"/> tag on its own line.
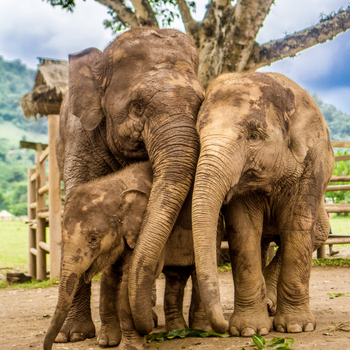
<point x="68" y="284"/>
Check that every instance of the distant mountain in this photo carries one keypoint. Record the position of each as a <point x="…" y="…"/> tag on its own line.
<point x="15" y="81"/>
<point x="338" y="122"/>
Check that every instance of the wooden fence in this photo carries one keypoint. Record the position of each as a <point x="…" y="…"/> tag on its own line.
<point x="39" y="215"/>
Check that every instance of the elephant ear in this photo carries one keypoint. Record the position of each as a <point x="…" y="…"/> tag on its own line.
<point x="84" y="93"/>
<point x="134" y="205"/>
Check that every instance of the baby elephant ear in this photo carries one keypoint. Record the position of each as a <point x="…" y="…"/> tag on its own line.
<point x="84" y="94"/>
<point x="134" y="206"/>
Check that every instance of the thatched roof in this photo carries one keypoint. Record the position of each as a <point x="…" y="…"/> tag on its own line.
<point x="51" y="84"/>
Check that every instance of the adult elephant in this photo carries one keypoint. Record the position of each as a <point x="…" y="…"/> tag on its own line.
<point x="136" y="100"/>
<point x="265" y="154"/>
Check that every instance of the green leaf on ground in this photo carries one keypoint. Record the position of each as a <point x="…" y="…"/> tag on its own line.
<point x="278" y="343"/>
<point x="182" y="333"/>
<point x="336" y="295"/>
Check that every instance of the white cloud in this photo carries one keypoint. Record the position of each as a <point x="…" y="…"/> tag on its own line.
<point x="31" y="28"/>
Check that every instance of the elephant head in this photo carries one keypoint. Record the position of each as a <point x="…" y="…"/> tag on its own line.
<point x="145" y="90"/>
<point x="101" y="221"/>
<point x="255" y="130"/>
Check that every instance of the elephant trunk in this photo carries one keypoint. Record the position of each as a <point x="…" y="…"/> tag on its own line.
<point x="68" y="284"/>
<point x="173" y="152"/>
<point x="212" y="183"/>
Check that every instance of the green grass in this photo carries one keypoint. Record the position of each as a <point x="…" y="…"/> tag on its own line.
<point x="30" y="285"/>
<point x="14" y="245"/>
<point x="340" y="224"/>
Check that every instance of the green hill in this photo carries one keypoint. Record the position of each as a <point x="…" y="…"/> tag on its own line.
<point x="15" y="81"/>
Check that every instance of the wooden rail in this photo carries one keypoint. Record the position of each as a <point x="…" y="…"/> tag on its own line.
<point x="40" y="216"/>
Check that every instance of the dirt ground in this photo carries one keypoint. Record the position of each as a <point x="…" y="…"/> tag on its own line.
<point x="23" y="322"/>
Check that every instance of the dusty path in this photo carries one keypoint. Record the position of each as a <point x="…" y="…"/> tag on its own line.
<point x="22" y="321"/>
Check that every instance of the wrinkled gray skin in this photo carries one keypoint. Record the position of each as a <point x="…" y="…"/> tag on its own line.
<point x="101" y="225"/>
<point x="137" y="100"/>
<point x="265" y="154"/>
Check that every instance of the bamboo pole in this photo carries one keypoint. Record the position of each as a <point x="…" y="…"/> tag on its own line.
<point x="31" y="231"/>
<point x="54" y="200"/>
<point x="41" y="223"/>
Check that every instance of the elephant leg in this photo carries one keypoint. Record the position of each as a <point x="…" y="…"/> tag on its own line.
<point x="78" y="324"/>
<point x="131" y="338"/>
<point x="110" y="333"/>
<point x="244" y="230"/>
<point x="271" y="274"/>
<point x="293" y="314"/>
<point x="175" y="282"/>
<point x="197" y="317"/>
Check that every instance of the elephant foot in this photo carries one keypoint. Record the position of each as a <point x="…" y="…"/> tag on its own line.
<point x="109" y="335"/>
<point x="175" y="323"/>
<point x="202" y="324"/>
<point x="248" y="326"/>
<point x="132" y="340"/>
<point x="76" y="330"/>
<point x="294" y="323"/>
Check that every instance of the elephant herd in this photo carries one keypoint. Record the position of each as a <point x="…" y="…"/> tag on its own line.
<point x="150" y="162"/>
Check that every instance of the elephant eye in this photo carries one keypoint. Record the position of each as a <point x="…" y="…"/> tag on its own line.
<point x="135" y="110"/>
<point x="94" y="242"/>
<point x="253" y="136"/>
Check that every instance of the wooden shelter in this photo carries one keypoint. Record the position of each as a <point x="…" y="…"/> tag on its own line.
<point x="50" y="86"/>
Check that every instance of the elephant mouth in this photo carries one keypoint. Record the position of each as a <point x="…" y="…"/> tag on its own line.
<point x="91" y="272"/>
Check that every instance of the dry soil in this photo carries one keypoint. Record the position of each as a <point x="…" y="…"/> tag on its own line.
<point x="23" y="322"/>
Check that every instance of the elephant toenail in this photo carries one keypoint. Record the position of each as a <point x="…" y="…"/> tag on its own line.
<point x="263" y="331"/>
<point x="280" y="328"/>
<point x="294" y="328"/>
<point x="113" y="343"/>
<point x="247" y="332"/>
<point x="234" y="331"/>
<point x="309" y="327"/>
<point x="102" y="342"/>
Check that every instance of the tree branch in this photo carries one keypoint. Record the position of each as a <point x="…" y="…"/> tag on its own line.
<point x="144" y="13"/>
<point x="239" y="42"/>
<point x="186" y="15"/>
<point x="276" y="50"/>
<point x="125" y="14"/>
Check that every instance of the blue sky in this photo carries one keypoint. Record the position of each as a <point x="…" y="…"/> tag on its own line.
<point x="32" y="28"/>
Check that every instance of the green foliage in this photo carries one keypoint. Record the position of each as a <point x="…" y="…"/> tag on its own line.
<point x="331" y="262"/>
<point x="65" y="4"/>
<point x="341" y="168"/>
<point x="33" y="284"/>
<point x="15" y="81"/>
<point x="336" y="295"/>
<point x="182" y="333"/>
<point x="276" y="343"/>
<point x="338" y="122"/>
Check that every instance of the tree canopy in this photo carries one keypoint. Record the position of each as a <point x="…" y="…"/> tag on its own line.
<point x="226" y="37"/>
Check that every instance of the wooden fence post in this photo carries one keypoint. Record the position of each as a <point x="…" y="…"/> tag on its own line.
<point x="41" y="222"/>
<point x="54" y="200"/>
<point x="31" y="231"/>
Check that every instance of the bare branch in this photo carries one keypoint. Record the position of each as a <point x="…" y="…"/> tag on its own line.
<point x="125" y="14"/>
<point x="248" y="17"/>
<point x="144" y="13"/>
<point x="186" y="15"/>
<point x="273" y="51"/>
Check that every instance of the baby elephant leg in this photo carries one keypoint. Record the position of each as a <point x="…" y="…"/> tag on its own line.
<point x="197" y="317"/>
<point x="175" y="282"/>
<point x="78" y="325"/>
<point x="110" y="333"/>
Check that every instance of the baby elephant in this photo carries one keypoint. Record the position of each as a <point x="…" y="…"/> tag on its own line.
<point x="101" y="223"/>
